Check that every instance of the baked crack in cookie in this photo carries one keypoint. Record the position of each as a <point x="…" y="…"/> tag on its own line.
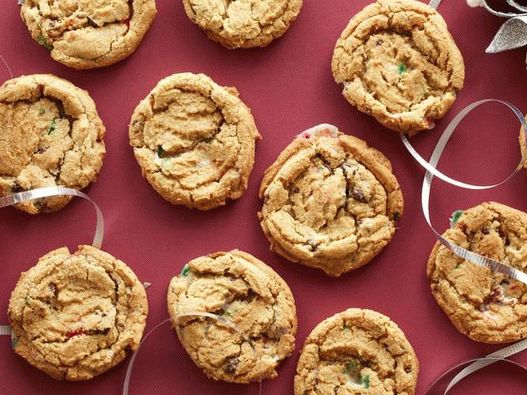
<point x="75" y="316"/>
<point x="357" y="352"/>
<point x="486" y="306"/>
<point x="51" y="136"/>
<point x="243" y="23"/>
<point x="85" y="34"/>
<point x="330" y="201"/>
<point x="194" y="141"/>
<point x="251" y="323"/>
<point x="399" y="63"/>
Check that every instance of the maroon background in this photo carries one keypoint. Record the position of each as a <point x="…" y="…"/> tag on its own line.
<point x="289" y="87"/>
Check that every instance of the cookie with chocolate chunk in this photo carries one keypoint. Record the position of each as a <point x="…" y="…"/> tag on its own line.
<point x="357" y="351"/>
<point x="74" y="316"/>
<point x="51" y="136"/>
<point x="399" y="63"/>
<point x="486" y="306"/>
<point x="234" y="315"/>
<point x="89" y="33"/>
<point x="330" y="201"/>
<point x="243" y="23"/>
<point x="194" y="141"/>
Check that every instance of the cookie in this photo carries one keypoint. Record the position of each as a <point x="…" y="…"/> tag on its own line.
<point x="243" y="23"/>
<point x="51" y="136"/>
<point x="486" y="306"/>
<point x="194" y="141"/>
<point x="255" y="312"/>
<point x="399" y="63"/>
<point x="74" y="316"/>
<point x="89" y="33"/>
<point x="330" y="201"/>
<point x="357" y="351"/>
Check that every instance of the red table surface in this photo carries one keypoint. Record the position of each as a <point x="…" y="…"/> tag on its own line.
<point x="289" y="88"/>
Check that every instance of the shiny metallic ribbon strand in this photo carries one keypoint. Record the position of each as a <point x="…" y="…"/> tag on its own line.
<point x="473" y="365"/>
<point x="128" y="376"/>
<point x="5" y="330"/>
<point x="477" y="259"/>
<point x="434" y="3"/>
<point x="512" y="3"/>
<point x="40" y="193"/>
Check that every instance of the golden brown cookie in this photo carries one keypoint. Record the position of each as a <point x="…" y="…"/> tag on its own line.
<point x="51" y="136"/>
<point x="487" y="306"/>
<point x="399" y="63"/>
<point x="255" y="312"/>
<point x="357" y="351"/>
<point x="75" y="316"/>
<point x="194" y="141"/>
<point x="330" y="201"/>
<point x="243" y="23"/>
<point x="86" y="34"/>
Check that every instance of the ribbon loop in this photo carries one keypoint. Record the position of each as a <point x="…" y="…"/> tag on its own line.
<point x="40" y="193"/>
<point x="431" y="172"/>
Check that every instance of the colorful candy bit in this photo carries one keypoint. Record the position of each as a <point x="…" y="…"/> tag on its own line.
<point x="52" y="126"/>
<point x="456" y="215"/>
<point x="74" y="332"/>
<point x="185" y="271"/>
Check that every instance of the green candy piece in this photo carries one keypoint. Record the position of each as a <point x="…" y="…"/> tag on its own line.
<point x="185" y="271"/>
<point x="402" y="68"/>
<point x="365" y="381"/>
<point x="53" y="126"/>
<point x="456" y="215"/>
<point x="43" y="42"/>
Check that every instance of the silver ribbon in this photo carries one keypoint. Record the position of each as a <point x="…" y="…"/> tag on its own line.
<point x="473" y="366"/>
<point x="473" y="257"/>
<point x="431" y="171"/>
<point x="128" y="377"/>
<point x="5" y="330"/>
<point x="513" y="33"/>
<point x="434" y="3"/>
<point x="40" y="193"/>
<point x="219" y="319"/>
<point x="6" y="66"/>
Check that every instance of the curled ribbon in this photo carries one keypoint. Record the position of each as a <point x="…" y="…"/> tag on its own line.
<point x="219" y="319"/>
<point x="40" y="193"/>
<point x="473" y="257"/>
<point x="467" y="368"/>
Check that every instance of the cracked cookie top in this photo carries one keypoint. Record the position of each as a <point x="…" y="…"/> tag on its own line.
<point x="243" y="23"/>
<point x="399" y="63"/>
<point x="487" y="306"/>
<point x="194" y="141"/>
<point x="85" y="34"/>
<point x="52" y="136"/>
<point x="330" y="201"/>
<point x="357" y="351"/>
<point x="255" y="312"/>
<point x="75" y="316"/>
